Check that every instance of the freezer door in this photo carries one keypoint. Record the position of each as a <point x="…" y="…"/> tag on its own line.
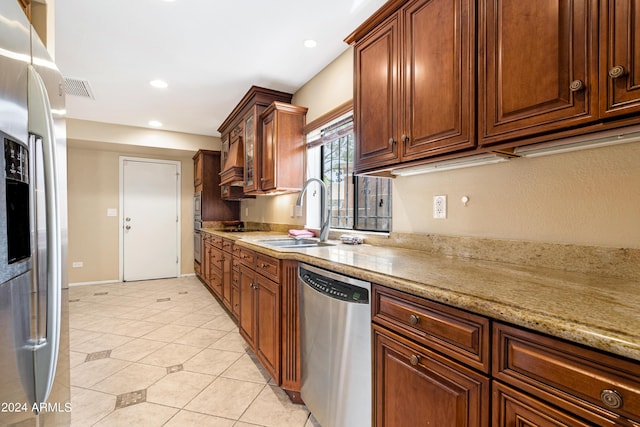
<point x="46" y="240"/>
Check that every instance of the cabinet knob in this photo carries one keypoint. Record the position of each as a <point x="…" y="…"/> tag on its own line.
<point x="414" y="320"/>
<point x="611" y="398"/>
<point x="392" y="141"/>
<point x="405" y="138"/>
<point x="128" y="227"/>
<point x="263" y="265"/>
<point x="577" y="85"/>
<point x="617" y="71"/>
<point x="414" y="360"/>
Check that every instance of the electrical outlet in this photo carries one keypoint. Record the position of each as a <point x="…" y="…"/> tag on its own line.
<point x="77" y="264"/>
<point x="440" y="207"/>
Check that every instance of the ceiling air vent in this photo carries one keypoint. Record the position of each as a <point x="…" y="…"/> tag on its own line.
<point x="77" y="87"/>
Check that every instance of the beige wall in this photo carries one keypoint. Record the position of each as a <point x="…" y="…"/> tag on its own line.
<point x="93" y="187"/>
<point x="591" y="197"/>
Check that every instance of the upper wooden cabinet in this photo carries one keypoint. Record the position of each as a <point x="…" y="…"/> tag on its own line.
<point x="282" y="148"/>
<point x="242" y="131"/>
<point x="545" y="70"/>
<point x="539" y="69"/>
<point x="557" y="65"/>
<point x="206" y="179"/>
<point x="26" y="6"/>
<point x="620" y="57"/>
<point x="414" y="82"/>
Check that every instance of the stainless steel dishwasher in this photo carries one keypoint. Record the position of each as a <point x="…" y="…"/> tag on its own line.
<point x="335" y="312"/>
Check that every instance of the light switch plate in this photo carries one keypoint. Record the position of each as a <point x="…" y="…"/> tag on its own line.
<point x="440" y="207"/>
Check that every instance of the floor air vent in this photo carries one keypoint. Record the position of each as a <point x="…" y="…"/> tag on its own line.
<point x="77" y="87"/>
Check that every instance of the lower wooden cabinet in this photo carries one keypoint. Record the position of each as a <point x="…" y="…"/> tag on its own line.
<point x="514" y="408"/>
<point x="260" y="318"/>
<point x="247" y="318"/>
<point x="227" y="275"/>
<point x="414" y="386"/>
<point x="268" y="317"/>
<point x="600" y="388"/>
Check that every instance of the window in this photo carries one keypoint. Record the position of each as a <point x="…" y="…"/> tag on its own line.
<point x="354" y="202"/>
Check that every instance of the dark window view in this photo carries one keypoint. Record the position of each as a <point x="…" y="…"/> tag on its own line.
<point x="355" y="202"/>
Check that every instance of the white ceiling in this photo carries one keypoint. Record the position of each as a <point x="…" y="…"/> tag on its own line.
<point x="210" y="52"/>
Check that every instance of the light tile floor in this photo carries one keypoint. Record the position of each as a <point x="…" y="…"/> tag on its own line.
<point x="165" y="353"/>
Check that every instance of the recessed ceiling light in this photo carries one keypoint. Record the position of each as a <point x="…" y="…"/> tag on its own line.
<point x="310" y="43"/>
<point x="160" y="84"/>
<point x="155" y="123"/>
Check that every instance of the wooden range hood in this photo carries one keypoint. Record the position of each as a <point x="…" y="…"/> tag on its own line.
<point x="233" y="168"/>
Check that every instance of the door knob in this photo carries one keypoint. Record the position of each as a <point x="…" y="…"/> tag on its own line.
<point x="128" y="227"/>
<point x="127" y="219"/>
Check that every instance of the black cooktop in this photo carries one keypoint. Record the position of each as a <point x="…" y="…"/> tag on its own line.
<point x="239" y="230"/>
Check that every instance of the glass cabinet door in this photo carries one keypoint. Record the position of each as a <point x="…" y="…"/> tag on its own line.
<point x="249" y="154"/>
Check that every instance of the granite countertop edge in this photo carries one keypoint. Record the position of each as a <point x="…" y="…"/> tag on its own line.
<point x="528" y="297"/>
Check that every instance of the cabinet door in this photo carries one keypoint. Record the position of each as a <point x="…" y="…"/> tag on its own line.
<point x="620" y="57"/>
<point x="268" y="176"/>
<point x="377" y="68"/>
<point x="197" y="171"/>
<point x="538" y="69"/>
<point x="227" y="279"/>
<point x="416" y="387"/>
<point x="269" y="326"/>
<point x="247" y="318"/>
<point x="439" y="79"/>
<point x="513" y="408"/>
<point x="250" y="155"/>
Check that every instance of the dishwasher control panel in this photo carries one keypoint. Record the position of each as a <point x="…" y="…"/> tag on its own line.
<point x="334" y="288"/>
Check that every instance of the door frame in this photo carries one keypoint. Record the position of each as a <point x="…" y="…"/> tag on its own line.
<point x="178" y="165"/>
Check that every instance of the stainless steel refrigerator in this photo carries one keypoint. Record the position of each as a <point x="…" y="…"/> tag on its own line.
<point x="34" y="338"/>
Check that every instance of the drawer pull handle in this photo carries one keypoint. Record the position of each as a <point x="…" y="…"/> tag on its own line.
<point x="576" y="86"/>
<point x="263" y="265"/>
<point x="414" y="320"/>
<point x="414" y="360"/>
<point x="611" y="398"/>
<point x="617" y="71"/>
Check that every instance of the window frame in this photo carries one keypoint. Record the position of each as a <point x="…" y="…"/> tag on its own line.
<point x="315" y="165"/>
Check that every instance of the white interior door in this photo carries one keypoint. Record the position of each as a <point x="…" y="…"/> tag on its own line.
<point x="150" y="195"/>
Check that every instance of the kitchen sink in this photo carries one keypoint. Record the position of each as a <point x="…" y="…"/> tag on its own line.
<point x="294" y="243"/>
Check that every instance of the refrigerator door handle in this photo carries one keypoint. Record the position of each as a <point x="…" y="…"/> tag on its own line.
<point x="46" y="349"/>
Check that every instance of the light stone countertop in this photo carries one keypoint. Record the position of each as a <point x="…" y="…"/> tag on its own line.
<point x="598" y="311"/>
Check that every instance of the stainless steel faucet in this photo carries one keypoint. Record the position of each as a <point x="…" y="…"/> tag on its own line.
<point x="324" y="212"/>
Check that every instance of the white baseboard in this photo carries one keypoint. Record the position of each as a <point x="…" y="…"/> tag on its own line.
<point x="103" y="282"/>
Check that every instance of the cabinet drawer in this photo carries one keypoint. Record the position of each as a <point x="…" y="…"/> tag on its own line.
<point x="227" y="245"/>
<point x="461" y="335"/>
<point x="268" y="267"/>
<point x="513" y="408"/>
<point x="216" y="259"/>
<point x="247" y="257"/>
<point x="217" y="241"/>
<point x="584" y="381"/>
